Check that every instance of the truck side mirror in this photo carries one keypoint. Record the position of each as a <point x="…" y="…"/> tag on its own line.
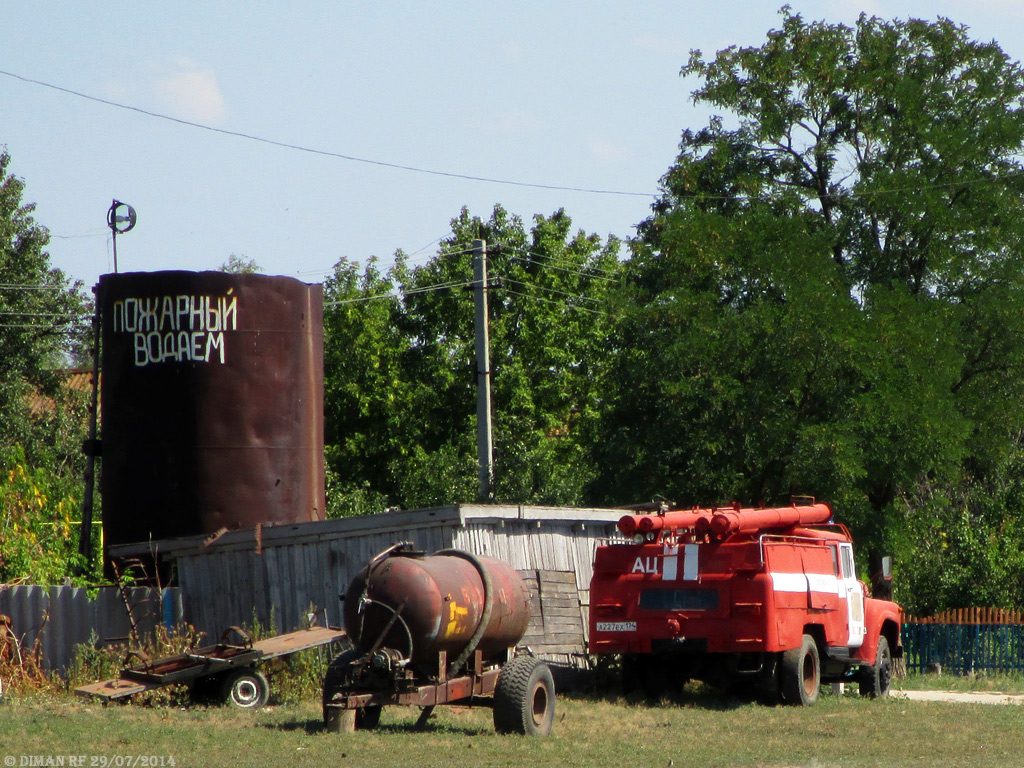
<point x="881" y="578"/>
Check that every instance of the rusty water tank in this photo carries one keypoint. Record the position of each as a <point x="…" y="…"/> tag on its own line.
<point x="212" y="403"/>
<point x="440" y="604"/>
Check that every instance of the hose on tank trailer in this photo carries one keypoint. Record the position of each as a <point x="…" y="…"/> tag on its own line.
<point x="485" y="617"/>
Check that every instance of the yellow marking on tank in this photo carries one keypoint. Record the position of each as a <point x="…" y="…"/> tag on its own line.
<point x="455" y="612"/>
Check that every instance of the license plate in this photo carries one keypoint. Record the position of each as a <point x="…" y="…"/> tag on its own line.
<point x="616" y="626"/>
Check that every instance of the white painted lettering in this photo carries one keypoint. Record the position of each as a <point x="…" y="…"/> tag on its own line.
<point x="178" y="328"/>
<point x="196" y="314"/>
<point x="230" y="313"/>
<point x="141" y="358"/>
<point x="130" y="315"/>
<point x="214" y="341"/>
<point x="168" y="321"/>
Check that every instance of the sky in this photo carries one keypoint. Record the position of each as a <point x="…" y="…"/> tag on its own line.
<point x="298" y="134"/>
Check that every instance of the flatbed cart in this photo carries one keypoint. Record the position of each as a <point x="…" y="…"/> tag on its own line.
<point x="228" y="667"/>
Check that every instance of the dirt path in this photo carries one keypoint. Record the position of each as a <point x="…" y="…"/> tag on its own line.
<point x="956" y="696"/>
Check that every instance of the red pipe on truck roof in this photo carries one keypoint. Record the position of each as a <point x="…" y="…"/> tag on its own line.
<point x="721" y="523"/>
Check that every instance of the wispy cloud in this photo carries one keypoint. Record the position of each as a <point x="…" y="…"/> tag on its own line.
<point x="190" y="91"/>
<point x="607" y="151"/>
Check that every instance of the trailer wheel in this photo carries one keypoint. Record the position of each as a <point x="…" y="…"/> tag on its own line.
<point x="245" y="689"/>
<point x="874" y="681"/>
<point x="524" y="698"/>
<point x="801" y="673"/>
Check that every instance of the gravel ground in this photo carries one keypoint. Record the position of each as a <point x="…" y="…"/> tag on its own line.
<point x="971" y="698"/>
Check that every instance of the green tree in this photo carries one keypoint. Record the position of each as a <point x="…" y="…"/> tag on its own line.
<point x="549" y="323"/>
<point x="827" y="297"/>
<point x="365" y="388"/>
<point x="43" y="330"/>
<point x="400" y="366"/>
<point x="239" y="265"/>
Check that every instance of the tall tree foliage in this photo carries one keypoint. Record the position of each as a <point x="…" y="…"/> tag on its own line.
<point x="827" y="298"/>
<point x="401" y="368"/>
<point x="549" y="325"/>
<point x="43" y="326"/>
<point x="366" y="390"/>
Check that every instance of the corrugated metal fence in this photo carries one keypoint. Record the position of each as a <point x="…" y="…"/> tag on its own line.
<point x="53" y="620"/>
<point x="966" y="640"/>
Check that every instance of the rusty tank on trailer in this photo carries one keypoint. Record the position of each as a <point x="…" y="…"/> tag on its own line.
<point x="447" y="602"/>
<point x="212" y="403"/>
<point x="438" y="629"/>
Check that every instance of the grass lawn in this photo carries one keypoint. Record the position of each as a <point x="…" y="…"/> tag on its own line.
<point x="701" y="730"/>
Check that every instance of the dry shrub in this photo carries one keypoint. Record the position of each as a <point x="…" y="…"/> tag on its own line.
<point x="21" y="670"/>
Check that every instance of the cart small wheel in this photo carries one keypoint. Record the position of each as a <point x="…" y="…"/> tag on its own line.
<point x="245" y="689"/>
<point x="524" y="698"/>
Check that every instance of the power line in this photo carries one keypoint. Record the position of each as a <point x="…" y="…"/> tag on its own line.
<point x="560" y="303"/>
<point x="552" y="291"/>
<point x="322" y="152"/>
<point x="79" y="236"/>
<point x="70" y="317"/>
<point x="404" y="293"/>
<point x="54" y="328"/>
<point x="595" y="273"/>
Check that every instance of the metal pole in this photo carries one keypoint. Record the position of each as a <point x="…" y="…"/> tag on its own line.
<point x="484" y="435"/>
<point x="91" y="445"/>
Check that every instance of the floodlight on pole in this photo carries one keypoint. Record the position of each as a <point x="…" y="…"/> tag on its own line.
<point x="121" y="218"/>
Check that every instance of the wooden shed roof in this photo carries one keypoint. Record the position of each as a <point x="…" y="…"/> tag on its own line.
<point x="385" y="522"/>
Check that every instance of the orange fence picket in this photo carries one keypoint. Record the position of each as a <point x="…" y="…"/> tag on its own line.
<point x="971" y="616"/>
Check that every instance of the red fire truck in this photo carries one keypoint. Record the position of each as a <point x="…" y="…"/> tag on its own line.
<point x="763" y="598"/>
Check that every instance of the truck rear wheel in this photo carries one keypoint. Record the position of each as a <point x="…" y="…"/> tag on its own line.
<point x="874" y="681"/>
<point x="801" y="673"/>
<point x="524" y="698"/>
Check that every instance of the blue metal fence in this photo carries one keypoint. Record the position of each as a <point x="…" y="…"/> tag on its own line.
<point x="966" y="641"/>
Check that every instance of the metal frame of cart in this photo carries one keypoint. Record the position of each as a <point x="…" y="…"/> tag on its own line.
<point x="229" y="665"/>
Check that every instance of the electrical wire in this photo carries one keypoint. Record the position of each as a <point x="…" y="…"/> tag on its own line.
<point x="54" y="328"/>
<point x="70" y="317"/>
<point x="560" y="303"/>
<point x="594" y="273"/>
<point x="410" y="292"/>
<point x="553" y="291"/>
<point x="322" y="152"/>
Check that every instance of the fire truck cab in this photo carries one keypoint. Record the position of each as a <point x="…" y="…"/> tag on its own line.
<point x="765" y="598"/>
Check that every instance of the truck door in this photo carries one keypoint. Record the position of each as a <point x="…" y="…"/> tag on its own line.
<point x="854" y="595"/>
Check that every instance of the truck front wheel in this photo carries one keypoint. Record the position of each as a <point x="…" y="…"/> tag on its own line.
<point x="874" y="681"/>
<point x="801" y="673"/>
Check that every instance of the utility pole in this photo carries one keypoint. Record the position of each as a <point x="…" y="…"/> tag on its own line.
<point x="484" y="436"/>
<point x="91" y="446"/>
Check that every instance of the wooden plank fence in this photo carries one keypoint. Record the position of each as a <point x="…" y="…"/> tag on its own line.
<point x="964" y="641"/>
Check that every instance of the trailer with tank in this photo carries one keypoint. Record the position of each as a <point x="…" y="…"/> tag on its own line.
<point x="437" y="629"/>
